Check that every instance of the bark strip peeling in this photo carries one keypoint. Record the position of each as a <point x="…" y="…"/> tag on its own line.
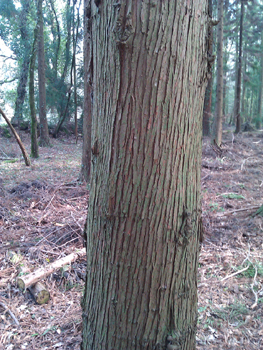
<point x="143" y="228"/>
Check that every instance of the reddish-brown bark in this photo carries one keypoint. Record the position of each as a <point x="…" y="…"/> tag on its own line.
<point x="143" y="228"/>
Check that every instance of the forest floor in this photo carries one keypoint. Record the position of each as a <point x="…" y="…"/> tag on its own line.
<point x="42" y="214"/>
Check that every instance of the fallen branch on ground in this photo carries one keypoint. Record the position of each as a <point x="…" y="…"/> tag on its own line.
<point x="234" y="274"/>
<point x="10" y="312"/>
<point x="252" y="288"/>
<point x="237" y="210"/>
<point x="26" y="281"/>
<point x="24" y="152"/>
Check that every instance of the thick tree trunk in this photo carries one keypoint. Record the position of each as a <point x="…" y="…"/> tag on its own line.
<point x="43" y="125"/>
<point x="86" y="148"/>
<point x="217" y="133"/>
<point x="239" y="72"/>
<point x="144" y="226"/>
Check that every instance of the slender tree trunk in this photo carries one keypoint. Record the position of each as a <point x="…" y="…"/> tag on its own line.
<point x="217" y="134"/>
<point x="43" y="125"/>
<point x="251" y="106"/>
<point x="73" y="63"/>
<point x="34" y="142"/>
<point x="75" y="38"/>
<point x="75" y="101"/>
<point x="22" y="84"/>
<point x="208" y="93"/>
<point x="143" y="228"/>
<point x="86" y="148"/>
<point x="65" y="113"/>
<point x="239" y="72"/>
<point x="260" y="96"/>
<point x="243" y="104"/>
<point x="56" y="39"/>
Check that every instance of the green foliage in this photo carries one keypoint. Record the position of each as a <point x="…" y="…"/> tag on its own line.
<point x="5" y="132"/>
<point x="232" y="196"/>
<point x="233" y="313"/>
<point x="252" y="270"/>
<point x="7" y="8"/>
<point x="58" y="23"/>
<point x="259" y="211"/>
<point x="10" y="161"/>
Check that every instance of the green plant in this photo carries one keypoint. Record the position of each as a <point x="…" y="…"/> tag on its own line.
<point x="6" y="132"/>
<point x="233" y="313"/>
<point x="10" y="160"/>
<point x="232" y="196"/>
<point x="250" y="272"/>
<point x="51" y="329"/>
<point x="214" y="206"/>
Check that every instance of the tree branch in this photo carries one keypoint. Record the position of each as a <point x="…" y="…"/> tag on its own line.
<point x="8" y="81"/>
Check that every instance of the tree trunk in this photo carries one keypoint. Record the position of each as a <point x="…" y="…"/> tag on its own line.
<point x="144" y="225"/>
<point x="86" y="148"/>
<point x="43" y="126"/>
<point x="75" y="39"/>
<point x="22" y="84"/>
<point x="209" y="88"/>
<point x="239" y="72"/>
<point x="34" y="143"/>
<point x="260" y="97"/>
<point x="217" y="133"/>
<point x="55" y="30"/>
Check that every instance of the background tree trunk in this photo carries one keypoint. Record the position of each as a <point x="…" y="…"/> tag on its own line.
<point x="260" y="97"/>
<point x="239" y="72"/>
<point x="22" y="84"/>
<point x="143" y="229"/>
<point x="208" y="93"/>
<point x="86" y="150"/>
<point x="217" y="133"/>
<point x="34" y="142"/>
<point x="43" y="126"/>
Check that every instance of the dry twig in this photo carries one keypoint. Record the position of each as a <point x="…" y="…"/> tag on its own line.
<point x="234" y="274"/>
<point x="237" y="210"/>
<point x="252" y="288"/>
<point x="10" y="313"/>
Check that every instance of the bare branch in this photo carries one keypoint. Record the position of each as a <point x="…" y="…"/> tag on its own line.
<point x="8" y="81"/>
<point x="8" y="58"/>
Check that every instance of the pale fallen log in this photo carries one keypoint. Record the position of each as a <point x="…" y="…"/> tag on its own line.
<point x="40" y="293"/>
<point x="24" y="282"/>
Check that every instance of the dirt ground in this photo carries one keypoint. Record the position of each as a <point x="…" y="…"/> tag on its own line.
<point x="42" y="214"/>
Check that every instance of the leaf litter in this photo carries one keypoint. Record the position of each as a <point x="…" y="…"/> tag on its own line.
<point x="230" y="279"/>
<point x="42" y="214"/>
